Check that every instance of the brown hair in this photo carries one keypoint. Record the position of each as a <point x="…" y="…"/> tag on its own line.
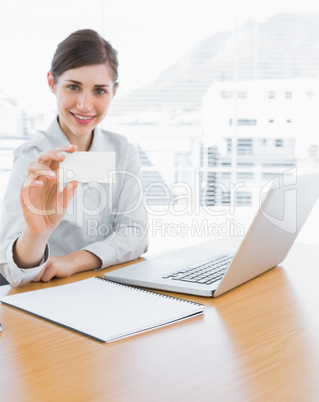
<point x="83" y="48"/>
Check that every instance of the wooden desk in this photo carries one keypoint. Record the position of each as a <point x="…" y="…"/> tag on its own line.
<point x="259" y="342"/>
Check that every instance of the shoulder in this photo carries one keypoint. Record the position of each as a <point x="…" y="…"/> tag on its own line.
<point x="26" y="153"/>
<point x="127" y="156"/>
<point x="114" y="139"/>
<point x="118" y="143"/>
<point x="33" y="147"/>
<point x="43" y="140"/>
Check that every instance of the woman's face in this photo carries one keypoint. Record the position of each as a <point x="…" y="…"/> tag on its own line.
<point x="83" y="97"/>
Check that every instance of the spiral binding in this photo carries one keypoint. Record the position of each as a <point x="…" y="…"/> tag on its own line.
<point x="148" y="291"/>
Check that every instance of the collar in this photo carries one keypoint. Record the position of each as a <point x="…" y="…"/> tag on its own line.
<point x="57" y="137"/>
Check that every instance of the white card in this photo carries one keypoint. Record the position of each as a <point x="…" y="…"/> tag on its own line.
<point x="86" y="167"/>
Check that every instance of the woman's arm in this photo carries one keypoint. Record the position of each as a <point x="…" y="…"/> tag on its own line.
<point x="43" y="206"/>
<point x="67" y="265"/>
<point x="29" y="248"/>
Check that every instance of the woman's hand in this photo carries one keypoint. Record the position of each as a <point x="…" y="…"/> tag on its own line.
<point x="43" y="201"/>
<point x="67" y="265"/>
<point x="43" y="205"/>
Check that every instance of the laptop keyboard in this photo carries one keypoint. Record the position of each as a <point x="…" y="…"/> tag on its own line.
<point x="205" y="272"/>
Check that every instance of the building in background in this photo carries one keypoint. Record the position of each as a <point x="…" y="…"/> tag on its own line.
<point x="13" y="131"/>
<point x="237" y="110"/>
<point x="256" y="130"/>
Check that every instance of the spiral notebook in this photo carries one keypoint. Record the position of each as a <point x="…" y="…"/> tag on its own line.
<point x="103" y="310"/>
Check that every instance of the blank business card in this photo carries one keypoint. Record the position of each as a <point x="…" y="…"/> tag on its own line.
<point x="86" y="167"/>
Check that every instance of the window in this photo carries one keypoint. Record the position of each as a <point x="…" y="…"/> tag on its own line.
<point x="245" y="175"/>
<point x="226" y="95"/>
<point x="199" y="93"/>
<point x="244" y="146"/>
<point x="243" y="198"/>
<point x="244" y="122"/>
<point x="242" y="95"/>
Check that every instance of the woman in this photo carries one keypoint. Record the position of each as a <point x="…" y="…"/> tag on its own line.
<point x="47" y="231"/>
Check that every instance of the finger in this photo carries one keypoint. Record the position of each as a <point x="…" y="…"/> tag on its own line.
<point x="55" y="154"/>
<point x="39" y="276"/>
<point x="32" y="182"/>
<point x="27" y="196"/>
<point x="49" y="273"/>
<point x="68" y="148"/>
<point x="69" y="192"/>
<point x="35" y="170"/>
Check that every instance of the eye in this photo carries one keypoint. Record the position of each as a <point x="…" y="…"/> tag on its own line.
<point x="100" y="91"/>
<point x="73" y="87"/>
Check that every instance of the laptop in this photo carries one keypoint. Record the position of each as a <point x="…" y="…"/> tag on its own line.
<point x="210" y="269"/>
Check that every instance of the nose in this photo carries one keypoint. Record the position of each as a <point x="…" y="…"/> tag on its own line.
<point x="84" y="102"/>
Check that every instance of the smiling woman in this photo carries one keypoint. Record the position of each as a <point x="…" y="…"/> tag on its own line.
<point x="83" y="95"/>
<point x="41" y="237"/>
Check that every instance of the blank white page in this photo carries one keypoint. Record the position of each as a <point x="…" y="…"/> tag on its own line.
<point x="104" y="310"/>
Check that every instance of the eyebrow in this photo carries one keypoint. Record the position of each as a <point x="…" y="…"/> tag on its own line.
<point x="95" y="86"/>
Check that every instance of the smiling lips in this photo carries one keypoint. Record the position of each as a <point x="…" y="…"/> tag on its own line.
<point x="82" y="119"/>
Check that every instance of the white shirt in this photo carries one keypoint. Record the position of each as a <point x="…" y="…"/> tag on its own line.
<point x="109" y="220"/>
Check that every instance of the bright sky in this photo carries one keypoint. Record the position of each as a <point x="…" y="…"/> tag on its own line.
<point x="149" y="35"/>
